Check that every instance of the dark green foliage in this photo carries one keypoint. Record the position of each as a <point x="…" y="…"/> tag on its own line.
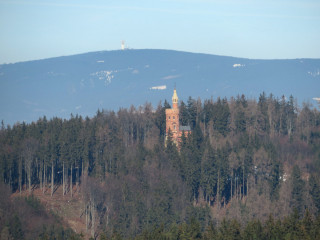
<point x="272" y="229"/>
<point x="315" y="190"/>
<point x="58" y="232"/>
<point x="253" y="230"/>
<point x="290" y="228"/>
<point x="191" y="154"/>
<point x="240" y="115"/>
<point x="209" y="176"/>
<point x="229" y="230"/>
<point x="26" y="218"/>
<point x="297" y="201"/>
<point x="262" y="115"/>
<point x="240" y="121"/>
<point x="275" y="180"/>
<point x="160" y="119"/>
<point x="221" y="116"/>
<point x="237" y="155"/>
<point x="35" y="203"/>
<point x="192" y="112"/>
<point x="15" y="227"/>
<point x="184" y="114"/>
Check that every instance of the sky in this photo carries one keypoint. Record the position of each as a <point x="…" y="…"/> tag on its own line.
<point x="273" y="29"/>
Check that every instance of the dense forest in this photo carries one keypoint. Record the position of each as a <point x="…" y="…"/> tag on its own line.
<point x="248" y="166"/>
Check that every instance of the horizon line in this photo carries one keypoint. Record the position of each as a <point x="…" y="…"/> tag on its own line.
<point x="159" y="49"/>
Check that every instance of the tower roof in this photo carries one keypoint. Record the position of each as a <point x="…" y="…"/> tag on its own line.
<point x="175" y="96"/>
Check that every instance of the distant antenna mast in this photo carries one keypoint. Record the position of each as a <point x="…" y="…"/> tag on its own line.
<point x="122" y="45"/>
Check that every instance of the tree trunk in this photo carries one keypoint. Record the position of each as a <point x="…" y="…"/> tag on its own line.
<point x="247" y="186"/>
<point x="44" y="178"/>
<point x="218" y="190"/>
<point x="77" y="179"/>
<point x="107" y="223"/>
<point x="204" y="124"/>
<point x="243" y="180"/>
<point x="289" y="128"/>
<point x="132" y="134"/>
<point x="37" y="169"/>
<point x="52" y="178"/>
<point x="63" y="179"/>
<point x="29" y="177"/>
<point x="236" y="189"/>
<point x="40" y="174"/>
<point x="231" y="188"/>
<point x="71" y="181"/>
<point x="83" y="175"/>
<point x="10" y="179"/>
<point x="86" y="212"/>
<point x="20" y="175"/>
<point x="88" y="215"/>
<point x="25" y="177"/>
<point x="92" y="211"/>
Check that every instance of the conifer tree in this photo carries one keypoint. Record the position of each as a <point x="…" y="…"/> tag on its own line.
<point x="297" y="201"/>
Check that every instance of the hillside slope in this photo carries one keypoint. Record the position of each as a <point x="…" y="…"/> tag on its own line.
<point x="83" y="83"/>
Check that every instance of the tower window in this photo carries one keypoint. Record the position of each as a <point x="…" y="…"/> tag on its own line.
<point x="173" y="117"/>
<point x="174" y="127"/>
<point x="169" y="117"/>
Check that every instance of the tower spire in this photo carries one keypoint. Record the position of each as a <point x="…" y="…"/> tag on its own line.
<point x="175" y="99"/>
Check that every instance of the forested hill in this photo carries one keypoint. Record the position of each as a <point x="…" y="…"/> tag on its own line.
<point x="244" y="160"/>
<point x="81" y="84"/>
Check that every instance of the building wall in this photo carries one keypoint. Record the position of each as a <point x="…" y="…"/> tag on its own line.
<point x="172" y="122"/>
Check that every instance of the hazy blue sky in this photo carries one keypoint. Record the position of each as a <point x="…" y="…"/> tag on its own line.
<point x="37" y="29"/>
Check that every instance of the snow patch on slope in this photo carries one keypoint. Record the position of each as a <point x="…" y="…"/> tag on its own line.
<point x="314" y="73"/>
<point x="105" y="76"/>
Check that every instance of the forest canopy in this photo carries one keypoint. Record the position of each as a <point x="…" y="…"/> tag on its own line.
<point x="244" y="161"/>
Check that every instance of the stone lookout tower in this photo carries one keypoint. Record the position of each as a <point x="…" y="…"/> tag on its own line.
<point x="172" y="120"/>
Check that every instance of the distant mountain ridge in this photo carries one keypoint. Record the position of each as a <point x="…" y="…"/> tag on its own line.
<point x="83" y="83"/>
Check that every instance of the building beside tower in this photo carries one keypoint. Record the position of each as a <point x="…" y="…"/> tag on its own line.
<point x="172" y="121"/>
